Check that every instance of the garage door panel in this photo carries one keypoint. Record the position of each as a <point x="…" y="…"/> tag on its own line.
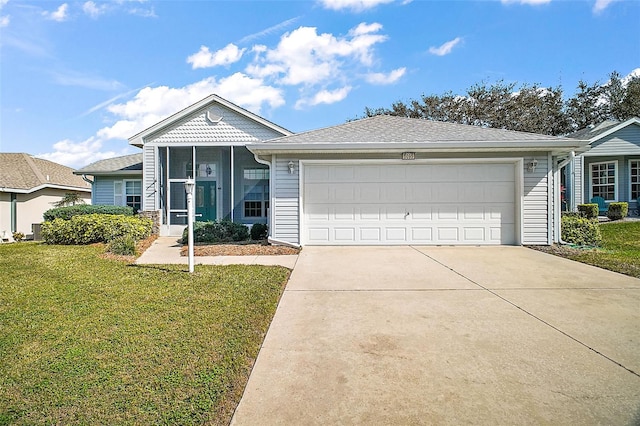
<point x="409" y="204"/>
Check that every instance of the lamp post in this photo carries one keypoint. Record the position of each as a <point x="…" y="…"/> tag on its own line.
<point x="188" y="188"/>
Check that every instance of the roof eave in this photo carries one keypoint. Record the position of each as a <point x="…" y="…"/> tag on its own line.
<point x="107" y="173"/>
<point x="632" y="120"/>
<point x="39" y="187"/>
<point x="556" y="147"/>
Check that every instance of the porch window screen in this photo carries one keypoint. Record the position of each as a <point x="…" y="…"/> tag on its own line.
<point x="634" y="170"/>
<point x="256" y="192"/>
<point x="603" y="180"/>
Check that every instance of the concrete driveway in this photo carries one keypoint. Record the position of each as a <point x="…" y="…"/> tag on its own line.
<point x="448" y="335"/>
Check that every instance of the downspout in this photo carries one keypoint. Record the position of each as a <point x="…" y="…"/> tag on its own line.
<point x="232" y="186"/>
<point x="272" y="206"/>
<point x="556" y="185"/>
<point x="86" y="179"/>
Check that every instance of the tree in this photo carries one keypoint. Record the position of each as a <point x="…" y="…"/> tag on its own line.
<point x="69" y="199"/>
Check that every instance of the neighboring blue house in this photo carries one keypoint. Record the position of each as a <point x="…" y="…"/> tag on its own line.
<point x="115" y="181"/>
<point x="377" y="181"/>
<point x="610" y="168"/>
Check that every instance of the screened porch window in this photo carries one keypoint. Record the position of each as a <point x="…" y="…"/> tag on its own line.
<point x="256" y="192"/>
<point x="603" y="180"/>
<point x="634" y="171"/>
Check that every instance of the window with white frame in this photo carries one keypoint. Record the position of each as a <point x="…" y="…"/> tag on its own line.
<point x="634" y="179"/>
<point x="603" y="180"/>
<point x="256" y="192"/>
<point x="128" y="193"/>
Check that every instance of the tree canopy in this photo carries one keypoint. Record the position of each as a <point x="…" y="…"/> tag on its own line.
<point x="527" y="108"/>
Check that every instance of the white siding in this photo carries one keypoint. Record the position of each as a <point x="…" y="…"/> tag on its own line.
<point x="149" y="184"/>
<point x="535" y="205"/>
<point x="286" y="201"/>
<point x="578" y="189"/>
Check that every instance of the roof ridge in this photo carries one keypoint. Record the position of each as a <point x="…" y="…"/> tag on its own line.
<point x="36" y="170"/>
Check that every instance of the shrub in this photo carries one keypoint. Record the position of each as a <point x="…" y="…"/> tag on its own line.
<point x="68" y="212"/>
<point x="217" y="232"/>
<point x="95" y="228"/>
<point x="617" y="211"/>
<point x="18" y="236"/>
<point x="580" y="230"/>
<point x="124" y="246"/>
<point x="259" y="231"/>
<point x="590" y="211"/>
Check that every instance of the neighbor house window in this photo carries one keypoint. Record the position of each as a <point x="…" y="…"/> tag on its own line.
<point x="634" y="171"/>
<point x="256" y="192"/>
<point x="128" y="193"/>
<point x="603" y="180"/>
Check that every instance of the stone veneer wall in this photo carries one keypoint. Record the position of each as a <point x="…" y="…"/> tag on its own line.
<point x="154" y="215"/>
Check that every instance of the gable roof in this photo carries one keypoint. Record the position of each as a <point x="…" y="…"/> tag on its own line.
<point x="603" y="129"/>
<point x="398" y="133"/>
<point x="125" y="165"/>
<point x="22" y="173"/>
<point x="139" y="139"/>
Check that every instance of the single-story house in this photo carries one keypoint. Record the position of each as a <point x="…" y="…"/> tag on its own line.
<point x="30" y="186"/>
<point x="379" y="180"/>
<point x="115" y="181"/>
<point x="610" y="168"/>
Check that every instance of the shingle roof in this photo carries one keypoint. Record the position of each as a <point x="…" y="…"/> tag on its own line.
<point x="23" y="172"/>
<point x="391" y="129"/>
<point x="127" y="164"/>
<point x="593" y="131"/>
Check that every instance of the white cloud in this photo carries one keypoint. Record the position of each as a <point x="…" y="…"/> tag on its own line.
<point x="151" y="105"/>
<point x="304" y="57"/>
<point x="79" y="154"/>
<point x="206" y="59"/>
<point x="380" y="78"/>
<point x="353" y="5"/>
<point x="270" y="30"/>
<point x="93" y="10"/>
<point x="325" y="97"/>
<point x="531" y="2"/>
<point x="142" y="12"/>
<point x="445" y="48"/>
<point x="4" y="20"/>
<point x="601" y="5"/>
<point x="73" y="78"/>
<point x="59" y="15"/>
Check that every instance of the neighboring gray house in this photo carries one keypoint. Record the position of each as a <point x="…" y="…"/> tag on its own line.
<point x="610" y="168"/>
<point x="115" y="181"/>
<point x="380" y="180"/>
<point x="393" y="180"/>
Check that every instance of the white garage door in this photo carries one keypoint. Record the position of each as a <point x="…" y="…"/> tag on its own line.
<point x="443" y="203"/>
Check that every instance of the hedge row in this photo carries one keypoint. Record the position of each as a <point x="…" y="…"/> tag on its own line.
<point x="95" y="228"/>
<point x="68" y="212"/>
<point x="223" y="231"/>
<point x="579" y="230"/>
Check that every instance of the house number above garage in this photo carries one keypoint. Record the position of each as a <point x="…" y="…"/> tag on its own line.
<point x="408" y="155"/>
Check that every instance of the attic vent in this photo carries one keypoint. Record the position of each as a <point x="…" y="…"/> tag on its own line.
<point x="213" y="117"/>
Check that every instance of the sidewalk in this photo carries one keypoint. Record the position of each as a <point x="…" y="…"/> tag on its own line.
<point x="166" y="250"/>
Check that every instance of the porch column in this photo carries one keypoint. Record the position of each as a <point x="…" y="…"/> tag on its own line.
<point x="231" y="186"/>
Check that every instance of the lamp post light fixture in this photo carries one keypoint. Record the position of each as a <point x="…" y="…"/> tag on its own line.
<point x="291" y="165"/>
<point x="189" y="185"/>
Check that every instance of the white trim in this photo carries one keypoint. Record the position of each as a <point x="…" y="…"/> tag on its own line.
<point x="631" y="183"/>
<point x="232" y="187"/>
<point x="632" y="120"/>
<point x="615" y="183"/>
<point x="138" y="139"/>
<point x="518" y="196"/>
<point x="44" y="186"/>
<point x="551" y="184"/>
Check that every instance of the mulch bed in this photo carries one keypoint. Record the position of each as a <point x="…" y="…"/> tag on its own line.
<point x="240" y="249"/>
<point x="141" y="246"/>
<point x="560" y="250"/>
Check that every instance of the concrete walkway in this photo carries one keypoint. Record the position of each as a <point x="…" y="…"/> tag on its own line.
<point x="166" y="250"/>
<point x="448" y="335"/>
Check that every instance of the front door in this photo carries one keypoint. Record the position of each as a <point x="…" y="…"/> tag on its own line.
<point x="206" y="200"/>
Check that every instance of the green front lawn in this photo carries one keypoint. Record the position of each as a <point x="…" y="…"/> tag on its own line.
<point x="620" y="250"/>
<point x="87" y="340"/>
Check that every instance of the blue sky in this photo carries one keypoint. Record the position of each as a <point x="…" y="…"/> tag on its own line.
<point x="78" y="78"/>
